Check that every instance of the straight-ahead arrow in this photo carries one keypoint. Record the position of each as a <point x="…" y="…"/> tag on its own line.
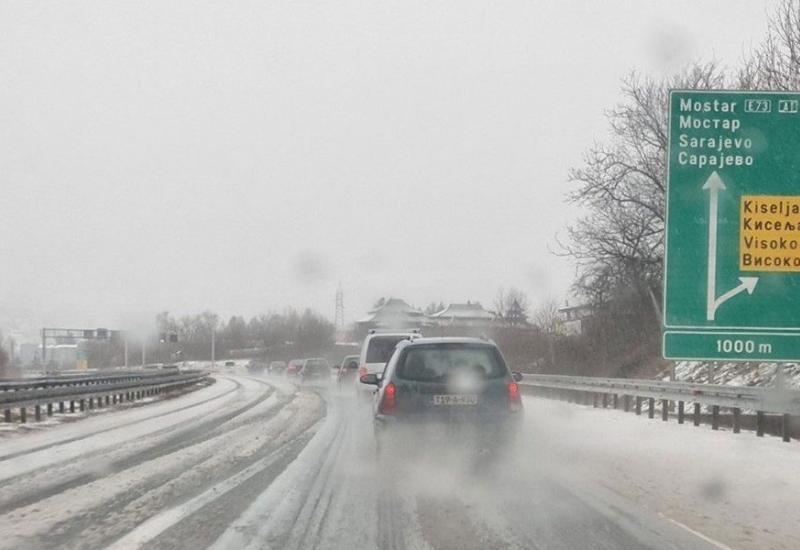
<point x="714" y="185"/>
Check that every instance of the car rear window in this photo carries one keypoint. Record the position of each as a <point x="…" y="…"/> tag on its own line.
<point x="441" y="361"/>
<point x="316" y="364"/>
<point x="380" y="348"/>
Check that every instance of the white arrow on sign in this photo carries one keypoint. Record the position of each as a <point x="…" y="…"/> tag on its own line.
<point x="748" y="284"/>
<point x="714" y="185"/>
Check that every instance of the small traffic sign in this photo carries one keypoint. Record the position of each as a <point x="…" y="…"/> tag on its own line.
<point x="732" y="253"/>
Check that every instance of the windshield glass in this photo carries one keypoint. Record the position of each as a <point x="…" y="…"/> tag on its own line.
<point x="405" y="275"/>
<point x="440" y="362"/>
<point x="381" y="348"/>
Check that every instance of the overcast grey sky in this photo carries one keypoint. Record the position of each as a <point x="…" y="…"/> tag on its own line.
<point x="247" y="156"/>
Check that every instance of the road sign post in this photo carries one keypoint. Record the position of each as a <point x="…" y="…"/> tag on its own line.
<point x="732" y="253"/>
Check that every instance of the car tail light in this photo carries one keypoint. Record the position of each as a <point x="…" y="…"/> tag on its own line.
<point x="362" y="370"/>
<point x="514" y="398"/>
<point x="389" y="401"/>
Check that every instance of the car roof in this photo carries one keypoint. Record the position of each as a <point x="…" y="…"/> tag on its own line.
<point x="448" y="340"/>
<point x="397" y="333"/>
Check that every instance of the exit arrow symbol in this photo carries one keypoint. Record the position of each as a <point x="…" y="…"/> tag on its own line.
<point x="748" y="284"/>
<point x="714" y="185"/>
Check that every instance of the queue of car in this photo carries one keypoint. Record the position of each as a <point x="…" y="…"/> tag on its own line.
<point x="441" y="389"/>
<point x="293" y="368"/>
<point x="347" y="370"/>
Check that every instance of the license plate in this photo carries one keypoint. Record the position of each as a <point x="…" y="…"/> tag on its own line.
<point x="455" y="399"/>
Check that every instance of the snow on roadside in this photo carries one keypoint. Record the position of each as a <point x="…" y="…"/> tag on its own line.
<point x="186" y="467"/>
<point x="32" y="432"/>
<point x="737" y="489"/>
<point x="138" y="420"/>
<point x="735" y="373"/>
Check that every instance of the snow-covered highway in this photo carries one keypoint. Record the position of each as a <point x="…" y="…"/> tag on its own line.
<point x="262" y="463"/>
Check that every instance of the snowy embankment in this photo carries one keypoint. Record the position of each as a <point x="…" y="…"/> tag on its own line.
<point x="735" y="374"/>
<point x="734" y="489"/>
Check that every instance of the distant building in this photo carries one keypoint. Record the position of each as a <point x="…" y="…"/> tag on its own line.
<point x="470" y="316"/>
<point x="572" y="318"/>
<point x="392" y="313"/>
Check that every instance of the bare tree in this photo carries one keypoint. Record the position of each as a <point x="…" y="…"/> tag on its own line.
<point x="511" y="306"/>
<point x="619" y="244"/>
<point x="165" y="323"/>
<point x="546" y="317"/>
<point x="775" y="64"/>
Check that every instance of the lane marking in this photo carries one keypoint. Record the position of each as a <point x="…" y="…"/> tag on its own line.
<point x="156" y="525"/>
<point x="698" y="534"/>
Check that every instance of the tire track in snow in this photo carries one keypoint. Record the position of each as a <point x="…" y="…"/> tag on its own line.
<point x="195" y="522"/>
<point x="153" y="488"/>
<point x="132" y="496"/>
<point x="188" y="433"/>
<point x="81" y="437"/>
<point x="108" y="442"/>
<point x="388" y="530"/>
<point x="333" y="480"/>
<point x="273" y="519"/>
<point x="311" y="518"/>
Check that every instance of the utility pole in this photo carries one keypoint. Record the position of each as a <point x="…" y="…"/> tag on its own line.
<point x="213" y="346"/>
<point x="339" y="314"/>
<point x="126" y="352"/>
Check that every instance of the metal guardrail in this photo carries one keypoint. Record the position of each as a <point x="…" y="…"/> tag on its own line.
<point x="761" y="400"/>
<point x="78" y="379"/>
<point x="91" y="389"/>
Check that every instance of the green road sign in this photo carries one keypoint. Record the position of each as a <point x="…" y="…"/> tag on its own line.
<point x="732" y="346"/>
<point x="732" y="265"/>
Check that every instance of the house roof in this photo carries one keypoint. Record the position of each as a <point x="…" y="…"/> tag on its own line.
<point x="464" y="311"/>
<point x="392" y="309"/>
<point x="396" y="304"/>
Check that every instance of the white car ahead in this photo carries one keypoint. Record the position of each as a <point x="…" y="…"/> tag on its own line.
<point x="375" y="353"/>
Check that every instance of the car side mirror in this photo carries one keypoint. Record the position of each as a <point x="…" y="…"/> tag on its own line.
<point x="517" y="376"/>
<point x="371" y="379"/>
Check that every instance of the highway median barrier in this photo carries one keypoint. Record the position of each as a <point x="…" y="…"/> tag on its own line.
<point x="97" y="389"/>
